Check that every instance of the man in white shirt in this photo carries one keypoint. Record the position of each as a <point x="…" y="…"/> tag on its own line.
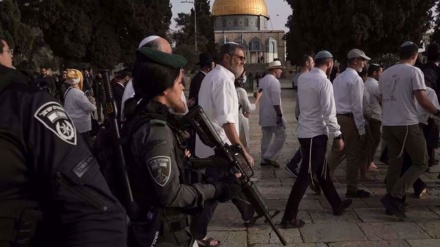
<point x="348" y="89"/>
<point x="218" y="97"/>
<point x="152" y="41"/>
<point x="307" y="63"/>
<point x="317" y="119"/>
<point x="401" y="86"/>
<point x="373" y="115"/>
<point x="271" y="121"/>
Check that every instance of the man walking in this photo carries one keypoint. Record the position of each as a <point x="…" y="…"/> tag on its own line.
<point x="400" y="86"/>
<point x="348" y="89"/>
<point x="373" y="114"/>
<point x="307" y="64"/>
<point x="317" y="118"/>
<point x="271" y="116"/>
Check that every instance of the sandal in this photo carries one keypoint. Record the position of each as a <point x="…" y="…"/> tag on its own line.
<point x="208" y="242"/>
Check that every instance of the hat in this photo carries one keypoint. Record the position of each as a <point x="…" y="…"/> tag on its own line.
<point x="407" y="43"/>
<point x="74" y="76"/>
<point x="354" y="53"/>
<point x="275" y="65"/>
<point x="432" y="50"/>
<point x="323" y="54"/>
<point x="148" y="40"/>
<point x="205" y="59"/>
<point x="169" y="60"/>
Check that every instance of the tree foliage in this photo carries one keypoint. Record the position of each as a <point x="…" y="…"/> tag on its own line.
<point x="205" y="27"/>
<point x="375" y="26"/>
<point x="100" y="32"/>
<point x="436" y="34"/>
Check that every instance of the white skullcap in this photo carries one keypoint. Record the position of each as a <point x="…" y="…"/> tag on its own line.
<point x="148" y="40"/>
<point x="73" y="81"/>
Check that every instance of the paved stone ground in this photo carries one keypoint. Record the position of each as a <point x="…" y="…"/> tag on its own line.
<point x="364" y="224"/>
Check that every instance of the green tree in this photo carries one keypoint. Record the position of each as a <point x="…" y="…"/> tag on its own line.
<point x="436" y="34"/>
<point x="100" y="32"/>
<point x="375" y="26"/>
<point x="205" y="27"/>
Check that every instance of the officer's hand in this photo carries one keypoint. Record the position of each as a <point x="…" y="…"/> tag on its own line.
<point x="225" y="191"/>
<point x="279" y="120"/>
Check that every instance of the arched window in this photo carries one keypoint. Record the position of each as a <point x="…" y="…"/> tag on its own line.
<point x="255" y="44"/>
<point x="235" y="22"/>
<point x="246" y="22"/>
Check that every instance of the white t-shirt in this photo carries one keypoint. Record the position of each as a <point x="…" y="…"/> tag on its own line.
<point x="271" y="96"/>
<point x="218" y="98"/>
<point x="423" y="114"/>
<point x="317" y="105"/>
<point x="372" y="108"/>
<point x="397" y="85"/>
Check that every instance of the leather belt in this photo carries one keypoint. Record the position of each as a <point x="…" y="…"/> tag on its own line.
<point x="350" y="115"/>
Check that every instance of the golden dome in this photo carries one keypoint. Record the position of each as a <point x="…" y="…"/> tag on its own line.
<point x="239" y="7"/>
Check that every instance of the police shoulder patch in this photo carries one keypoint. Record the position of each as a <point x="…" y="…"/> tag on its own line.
<point x="53" y="116"/>
<point x="160" y="169"/>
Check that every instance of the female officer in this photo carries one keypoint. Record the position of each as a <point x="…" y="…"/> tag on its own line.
<point x="156" y="146"/>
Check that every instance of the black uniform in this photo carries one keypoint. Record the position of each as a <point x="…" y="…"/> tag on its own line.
<point x="48" y="178"/>
<point x="160" y="188"/>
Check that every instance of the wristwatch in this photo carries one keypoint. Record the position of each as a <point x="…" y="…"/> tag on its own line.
<point x="338" y="137"/>
<point x="279" y="115"/>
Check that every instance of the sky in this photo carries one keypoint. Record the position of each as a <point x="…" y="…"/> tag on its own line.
<point x="279" y="10"/>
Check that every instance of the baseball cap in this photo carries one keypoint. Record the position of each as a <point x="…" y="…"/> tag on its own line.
<point x="354" y="53"/>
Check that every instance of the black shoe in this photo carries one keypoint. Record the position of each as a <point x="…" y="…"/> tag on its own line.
<point x="295" y="223"/>
<point x="264" y="164"/>
<point x="344" y="205"/>
<point x="292" y="172"/>
<point x="393" y="206"/>
<point x="314" y="185"/>
<point x="272" y="163"/>
<point x="358" y="194"/>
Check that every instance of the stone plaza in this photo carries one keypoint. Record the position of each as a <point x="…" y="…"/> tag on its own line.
<point x="363" y="224"/>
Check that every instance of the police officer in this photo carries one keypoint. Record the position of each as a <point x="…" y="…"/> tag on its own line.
<point x="156" y="148"/>
<point x="51" y="190"/>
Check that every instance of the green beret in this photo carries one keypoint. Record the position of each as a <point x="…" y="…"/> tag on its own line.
<point x="167" y="59"/>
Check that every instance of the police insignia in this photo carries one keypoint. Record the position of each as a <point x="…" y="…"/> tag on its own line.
<point x="53" y="116"/>
<point x="160" y="169"/>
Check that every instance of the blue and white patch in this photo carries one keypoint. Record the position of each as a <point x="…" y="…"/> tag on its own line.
<point x="53" y="116"/>
<point x="160" y="169"/>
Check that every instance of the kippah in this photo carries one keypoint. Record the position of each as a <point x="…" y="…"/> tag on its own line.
<point x="323" y="54"/>
<point x="148" y="40"/>
<point x="407" y="43"/>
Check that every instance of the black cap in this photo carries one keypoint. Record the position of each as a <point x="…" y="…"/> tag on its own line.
<point x="205" y="59"/>
<point x="432" y="50"/>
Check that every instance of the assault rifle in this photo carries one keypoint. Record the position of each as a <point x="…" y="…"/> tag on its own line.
<point x="234" y="162"/>
<point x="122" y="176"/>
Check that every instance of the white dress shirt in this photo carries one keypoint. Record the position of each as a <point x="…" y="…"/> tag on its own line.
<point x="348" y="88"/>
<point x="128" y="94"/>
<point x="317" y="105"/>
<point x="423" y="114"/>
<point x="372" y="108"/>
<point x="218" y="98"/>
<point x="271" y="96"/>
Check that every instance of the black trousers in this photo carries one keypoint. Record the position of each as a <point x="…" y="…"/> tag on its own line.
<point x="199" y="222"/>
<point x="315" y="148"/>
<point x="418" y="185"/>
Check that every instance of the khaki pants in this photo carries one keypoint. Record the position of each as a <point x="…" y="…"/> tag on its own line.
<point x="353" y="151"/>
<point x="373" y="138"/>
<point x="272" y="142"/>
<point x="415" y="146"/>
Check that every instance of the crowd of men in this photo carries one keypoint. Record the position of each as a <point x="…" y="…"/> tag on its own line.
<point x="53" y="186"/>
